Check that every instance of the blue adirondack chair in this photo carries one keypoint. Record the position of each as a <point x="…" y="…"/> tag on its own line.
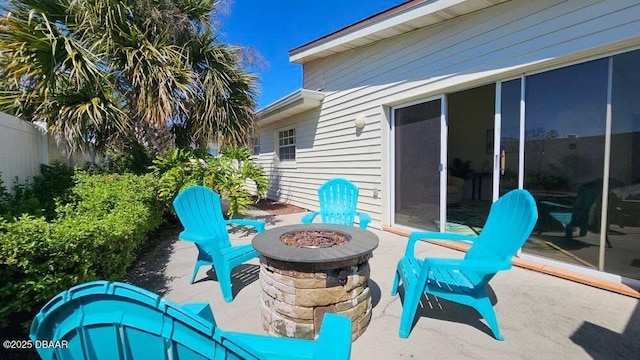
<point x="200" y="212"/>
<point x="578" y="215"/>
<point x="338" y="202"/>
<point x="102" y="320"/>
<point x="464" y="281"/>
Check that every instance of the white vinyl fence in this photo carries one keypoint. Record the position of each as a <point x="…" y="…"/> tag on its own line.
<point x="23" y="147"/>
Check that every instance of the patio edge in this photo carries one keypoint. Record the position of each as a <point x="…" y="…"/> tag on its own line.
<point x="545" y="269"/>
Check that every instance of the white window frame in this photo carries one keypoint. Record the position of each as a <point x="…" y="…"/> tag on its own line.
<point x="278" y="146"/>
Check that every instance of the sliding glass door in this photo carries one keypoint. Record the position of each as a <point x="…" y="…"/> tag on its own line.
<point x="622" y="253"/>
<point x="417" y="130"/>
<point x="564" y="151"/>
<point x="555" y="142"/>
<point x="570" y="136"/>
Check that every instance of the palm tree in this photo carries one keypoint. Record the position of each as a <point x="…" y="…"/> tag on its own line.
<point x="101" y="72"/>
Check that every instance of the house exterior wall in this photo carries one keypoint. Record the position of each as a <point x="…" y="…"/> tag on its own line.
<point x="323" y="151"/>
<point x="497" y="43"/>
<point x="22" y="150"/>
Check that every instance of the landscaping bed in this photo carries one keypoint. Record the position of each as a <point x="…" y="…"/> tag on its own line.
<point x="274" y="207"/>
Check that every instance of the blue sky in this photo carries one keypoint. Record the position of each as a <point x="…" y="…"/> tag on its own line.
<point x="276" y="26"/>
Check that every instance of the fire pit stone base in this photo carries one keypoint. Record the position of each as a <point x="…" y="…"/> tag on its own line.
<point x="293" y="302"/>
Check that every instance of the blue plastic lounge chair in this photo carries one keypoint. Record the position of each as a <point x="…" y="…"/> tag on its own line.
<point x="588" y="197"/>
<point x="101" y="320"/>
<point x="200" y="213"/>
<point x="464" y="281"/>
<point x="338" y="202"/>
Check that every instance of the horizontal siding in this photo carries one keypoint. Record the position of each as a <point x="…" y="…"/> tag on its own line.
<point x="518" y="27"/>
<point x="496" y="43"/>
<point x="21" y="150"/>
<point x="323" y="150"/>
<point x="433" y="70"/>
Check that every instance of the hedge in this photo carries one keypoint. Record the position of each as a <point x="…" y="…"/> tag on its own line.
<point x="97" y="235"/>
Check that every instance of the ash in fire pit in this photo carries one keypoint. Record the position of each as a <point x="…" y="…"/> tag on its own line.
<point x="314" y="238"/>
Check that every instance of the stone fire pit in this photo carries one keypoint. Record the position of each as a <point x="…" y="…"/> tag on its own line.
<point x="309" y="269"/>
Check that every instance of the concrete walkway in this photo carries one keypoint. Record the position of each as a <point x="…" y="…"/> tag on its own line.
<point x="540" y="316"/>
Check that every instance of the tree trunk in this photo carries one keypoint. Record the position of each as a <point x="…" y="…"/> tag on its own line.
<point x="69" y="155"/>
<point x="156" y="139"/>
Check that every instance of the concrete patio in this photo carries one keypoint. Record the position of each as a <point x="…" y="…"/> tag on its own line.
<point x="540" y="316"/>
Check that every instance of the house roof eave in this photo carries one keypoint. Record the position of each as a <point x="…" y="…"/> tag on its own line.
<point x="295" y="103"/>
<point x="400" y="19"/>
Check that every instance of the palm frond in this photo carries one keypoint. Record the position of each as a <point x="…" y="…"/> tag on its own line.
<point x="95" y="70"/>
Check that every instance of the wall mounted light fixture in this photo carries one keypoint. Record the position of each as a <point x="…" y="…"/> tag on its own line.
<point x="360" y="121"/>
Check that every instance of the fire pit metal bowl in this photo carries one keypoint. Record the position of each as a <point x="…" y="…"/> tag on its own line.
<point x="302" y="278"/>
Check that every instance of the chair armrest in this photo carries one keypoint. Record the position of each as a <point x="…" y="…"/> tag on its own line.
<point x="308" y="218"/>
<point x="483" y="266"/>
<point x="334" y="342"/>
<point x="203" y="242"/>
<point x="201" y="309"/>
<point x="549" y="203"/>
<point x="237" y="345"/>
<point x="418" y="235"/>
<point x="257" y="224"/>
<point x="365" y="219"/>
<point x="267" y="347"/>
<point x="334" y="338"/>
<point x="193" y="237"/>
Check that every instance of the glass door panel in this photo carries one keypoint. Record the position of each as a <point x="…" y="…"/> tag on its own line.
<point x="564" y="160"/>
<point x="417" y="146"/>
<point x="622" y="254"/>
<point x="470" y="158"/>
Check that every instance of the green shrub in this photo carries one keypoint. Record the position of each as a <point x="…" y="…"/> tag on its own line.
<point x="20" y="200"/>
<point x="53" y="186"/>
<point x="130" y="158"/>
<point x="97" y="235"/>
<point x="226" y="174"/>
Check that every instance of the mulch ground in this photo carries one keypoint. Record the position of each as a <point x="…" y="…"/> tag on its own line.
<point x="277" y="208"/>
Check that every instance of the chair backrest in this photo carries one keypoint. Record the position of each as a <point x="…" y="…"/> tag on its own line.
<point x="511" y="220"/>
<point x="200" y="212"/>
<point x="338" y="201"/>
<point x="102" y="320"/>
<point x="588" y="195"/>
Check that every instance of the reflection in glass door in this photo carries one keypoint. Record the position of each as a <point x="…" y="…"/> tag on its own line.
<point x="509" y="156"/>
<point x="565" y="121"/>
<point x="622" y="253"/>
<point x="417" y="149"/>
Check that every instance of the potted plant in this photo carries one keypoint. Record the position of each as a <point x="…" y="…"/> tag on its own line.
<point x="460" y="169"/>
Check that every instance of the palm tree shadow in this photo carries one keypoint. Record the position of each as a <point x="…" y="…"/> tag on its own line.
<point x="602" y="343"/>
<point x="268" y="219"/>
<point x="572" y="243"/>
<point x="242" y="276"/>
<point x="241" y="230"/>
<point x="433" y="307"/>
<point x="150" y="270"/>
